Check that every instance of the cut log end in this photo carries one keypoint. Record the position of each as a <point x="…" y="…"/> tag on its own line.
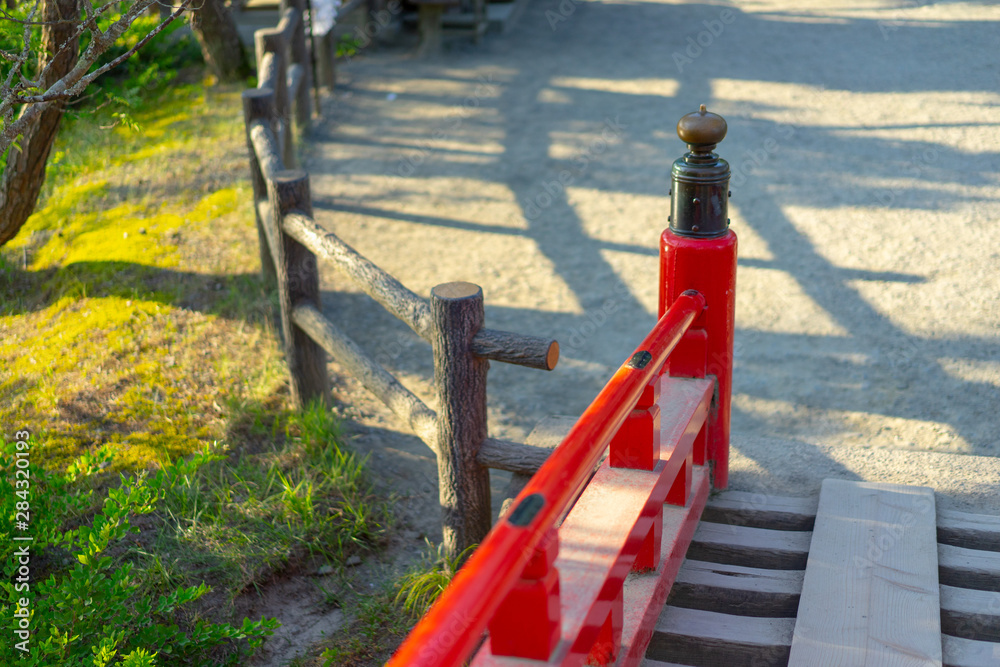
<point x="257" y="93"/>
<point x="457" y="290"/>
<point x="291" y="176"/>
<point x="552" y="357"/>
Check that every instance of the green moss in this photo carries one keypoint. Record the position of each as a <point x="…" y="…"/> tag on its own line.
<point x="161" y="150"/>
<point x="105" y="359"/>
<point x="178" y="120"/>
<point x="68" y="331"/>
<point x="217" y="204"/>
<point x="124" y="233"/>
<point x="118" y="333"/>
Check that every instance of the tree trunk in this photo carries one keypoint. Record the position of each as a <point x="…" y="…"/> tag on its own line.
<point x="24" y="173"/>
<point x="215" y="29"/>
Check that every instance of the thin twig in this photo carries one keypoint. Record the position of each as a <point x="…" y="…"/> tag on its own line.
<point x="76" y="81"/>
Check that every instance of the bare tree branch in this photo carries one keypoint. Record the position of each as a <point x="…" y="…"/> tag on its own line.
<point x="5" y="90"/>
<point x="12" y="19"/>
<point x="76" y="81"/>
<point x="90" y="23"/>
<point x="85" y="81"/>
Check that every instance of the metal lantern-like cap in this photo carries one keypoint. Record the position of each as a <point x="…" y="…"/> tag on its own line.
<point x="699" y="203"/>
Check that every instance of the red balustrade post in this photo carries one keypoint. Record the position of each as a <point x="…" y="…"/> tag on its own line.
<point x="526" y="625"/>
<point x="698" y="251"/>
<point x="690" y="360"/>
<point x="648" y="557"/>
<point x="609" y="639"/>
<point x="637" y="442"/>
<point x="637" y="445"/>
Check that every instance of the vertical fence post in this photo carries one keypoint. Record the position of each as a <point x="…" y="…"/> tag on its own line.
<point x="258" y="103"/>
<point x="298" y="282"/>
<point x="326" y="57"/>
<point x="460" y="384"/>
<point x="698" y="251"/>
<point x="299" y="51"/>
<point x="271" y="40"/>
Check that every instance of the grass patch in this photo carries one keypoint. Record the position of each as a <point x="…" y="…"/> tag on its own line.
<point x="208" y="526"/>
<point x="247" y="515"/>
<point x="381" y="620"/>
<point x="88" y="602"/>
<point x="378" y="626"/>
<point x="420" y="588"/>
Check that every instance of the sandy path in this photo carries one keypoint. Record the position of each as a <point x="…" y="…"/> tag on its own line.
<point x="865" y="143"/>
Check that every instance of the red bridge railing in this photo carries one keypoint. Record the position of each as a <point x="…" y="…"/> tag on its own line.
<point x="549" y="580"/>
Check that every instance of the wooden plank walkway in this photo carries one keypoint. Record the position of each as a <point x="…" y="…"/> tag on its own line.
<point x="736" y="599"/>
<point x="870" y="594"/>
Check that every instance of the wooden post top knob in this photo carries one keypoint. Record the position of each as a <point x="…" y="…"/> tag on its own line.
<point x="702" y="129"/>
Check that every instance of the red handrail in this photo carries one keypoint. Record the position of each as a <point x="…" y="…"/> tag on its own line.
<point x="452" y="628"/>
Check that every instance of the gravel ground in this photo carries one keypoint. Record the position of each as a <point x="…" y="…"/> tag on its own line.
<point x="865" y="145"/>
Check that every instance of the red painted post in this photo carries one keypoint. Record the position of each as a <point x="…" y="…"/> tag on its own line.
<point x="648" y="557"/>
<point x="609" y="639"/>
<point x="690" y="360"/>
<point x="637" y="442"/>
<point x="679" y="490"/>
<point x="698" y="251"/>
<point x="526" y="624"/>
<point x="637" y="445"/>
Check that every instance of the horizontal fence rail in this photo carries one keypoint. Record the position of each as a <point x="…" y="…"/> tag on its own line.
<point x="412" y="310"/>
<point x="403" y="304"/>
<point x="512" y="456"/>
<point x="283" y="65"/>
<point x="453" y="627"/>
<point x="421" y="419"/>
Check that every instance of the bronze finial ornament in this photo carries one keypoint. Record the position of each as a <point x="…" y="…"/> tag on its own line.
<point x="699" y="203"/>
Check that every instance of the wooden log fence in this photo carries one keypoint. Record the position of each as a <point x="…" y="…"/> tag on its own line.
<point x="452" y="321"/>
<point x="284" y="66"/>
<point x="285" y="69"/>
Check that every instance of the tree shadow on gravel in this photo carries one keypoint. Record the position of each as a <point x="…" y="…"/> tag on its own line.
<point x="587" y="101"/>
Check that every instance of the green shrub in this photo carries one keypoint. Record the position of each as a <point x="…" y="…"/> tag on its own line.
<point x="150" y="68"/>
<point x="96" y="610"/>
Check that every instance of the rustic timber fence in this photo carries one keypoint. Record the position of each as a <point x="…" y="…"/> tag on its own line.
<point x="284" y="77"/>
<point x="452" y="322"/>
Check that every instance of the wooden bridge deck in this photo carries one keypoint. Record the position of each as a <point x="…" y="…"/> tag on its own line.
<point x="865" y="574"/>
